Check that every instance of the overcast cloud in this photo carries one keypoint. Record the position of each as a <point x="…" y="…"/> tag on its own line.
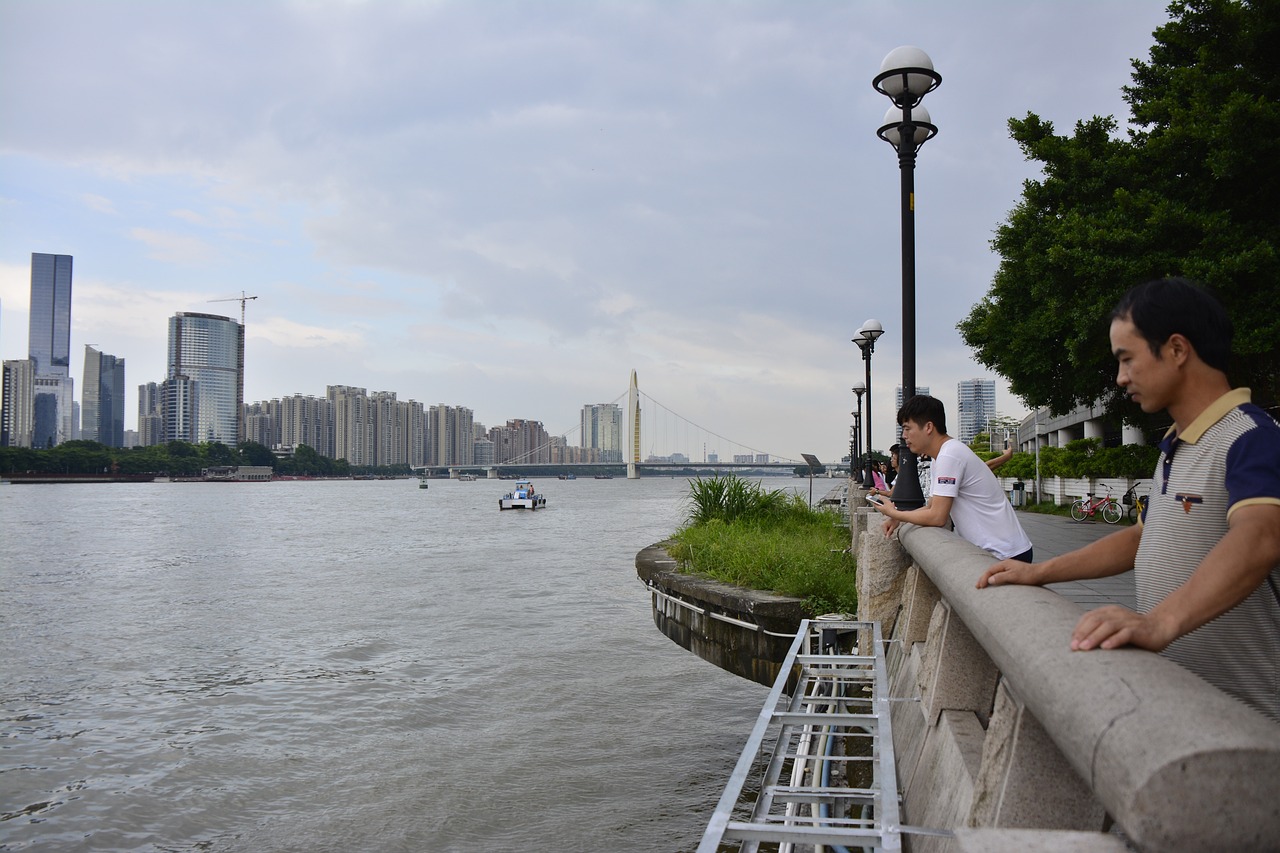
<point x="508" y="206"/>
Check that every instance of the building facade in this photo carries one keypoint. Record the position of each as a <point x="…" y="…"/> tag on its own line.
<point x="602" y="428"/>
<point x="49" y="329"/>
<point x="102" y="398"/>
<point x="975" y="406"/>
<point x="352" y="426"/>
<point x="17" y="404"/>
<point x="49" y="349"/>
<point x="150" y="415"/>
<point x="920" y="389"/>
<point x="450" y="432"/>
<point x="208" y="350"/>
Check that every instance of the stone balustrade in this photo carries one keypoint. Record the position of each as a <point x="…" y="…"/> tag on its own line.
<point x="1012" y="741"/>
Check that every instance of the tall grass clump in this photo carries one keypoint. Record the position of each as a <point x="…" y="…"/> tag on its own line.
<point x="740" y="533"/>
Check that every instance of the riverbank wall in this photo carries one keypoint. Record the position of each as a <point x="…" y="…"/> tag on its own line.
<point x="743" y="631"/>
<point x="1004" y="739"/>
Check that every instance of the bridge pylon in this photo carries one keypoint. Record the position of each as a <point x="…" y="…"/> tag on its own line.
<point x="633" y="428"/>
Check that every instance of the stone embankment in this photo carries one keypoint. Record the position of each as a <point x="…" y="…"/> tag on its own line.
<point x="1005" y="736"/>
<point x="744" y="631"/>
<point x="1005" y="740"/>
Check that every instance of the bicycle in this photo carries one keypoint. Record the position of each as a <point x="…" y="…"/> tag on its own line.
<point x="1087" y="507"/>
<point x="1137" y="504"/>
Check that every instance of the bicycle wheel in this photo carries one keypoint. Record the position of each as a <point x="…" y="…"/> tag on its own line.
<point x="1133" y="514"/>
<point x="1078" y="510"/>
<point x="1111" y="512"/>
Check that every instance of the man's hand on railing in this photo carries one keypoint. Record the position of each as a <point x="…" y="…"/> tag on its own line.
<point x="1011" y="572"/>
<point x="1113" y="626"/>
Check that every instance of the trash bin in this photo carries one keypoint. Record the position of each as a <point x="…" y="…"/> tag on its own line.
<point x="1018" y="497"/>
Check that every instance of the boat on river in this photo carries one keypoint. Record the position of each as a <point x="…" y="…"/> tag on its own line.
<point x="523" y="496"/>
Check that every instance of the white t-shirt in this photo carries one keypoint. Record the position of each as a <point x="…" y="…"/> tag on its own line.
<point x="979" y="508"/>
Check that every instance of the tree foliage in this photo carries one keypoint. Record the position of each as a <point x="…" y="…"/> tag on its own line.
<point x="1191" y="191"/>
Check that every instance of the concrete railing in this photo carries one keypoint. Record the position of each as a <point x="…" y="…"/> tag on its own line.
<point x="1013" y="731"/>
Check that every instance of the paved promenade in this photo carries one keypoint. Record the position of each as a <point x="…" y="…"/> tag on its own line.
<point x="1052" y="535"/>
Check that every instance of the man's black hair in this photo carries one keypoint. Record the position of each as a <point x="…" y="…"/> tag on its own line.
<point x="923" y="409"/>
<point x="893" y="448"/>
<point x="1168" y="306"/>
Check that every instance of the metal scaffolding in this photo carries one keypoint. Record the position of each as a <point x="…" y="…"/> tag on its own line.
<point x="829" y="777"/>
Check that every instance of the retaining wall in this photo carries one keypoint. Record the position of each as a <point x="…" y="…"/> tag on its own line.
<point x="744" y="631"/>
<point x="1007" y="737"/>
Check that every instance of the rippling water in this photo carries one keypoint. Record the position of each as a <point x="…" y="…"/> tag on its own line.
<point x="349" y="666"/>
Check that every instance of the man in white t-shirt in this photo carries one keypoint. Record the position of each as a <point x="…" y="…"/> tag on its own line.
<point x="963" y="488"/>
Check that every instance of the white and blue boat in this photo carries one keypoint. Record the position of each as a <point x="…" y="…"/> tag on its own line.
<point x="523" y="496"/>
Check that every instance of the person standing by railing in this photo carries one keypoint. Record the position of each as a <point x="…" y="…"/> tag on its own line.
<point x="964" y="491"/>
<point x="1206" y="558"/>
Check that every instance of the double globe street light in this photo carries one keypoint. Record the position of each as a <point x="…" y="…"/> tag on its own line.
<point x="855" y="434"/>
<point x="866" y="341"/>
<point x="905" y="77"/>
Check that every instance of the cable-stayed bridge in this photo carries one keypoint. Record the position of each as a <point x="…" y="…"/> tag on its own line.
<point x="652" y="436"/>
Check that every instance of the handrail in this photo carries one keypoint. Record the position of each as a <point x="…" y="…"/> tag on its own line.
<point x="1178" y="763"/>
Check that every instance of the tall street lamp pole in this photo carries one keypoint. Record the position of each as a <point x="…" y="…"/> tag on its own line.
<point x="855" y="440"/>
<point x="866" y="341"/>
<point x="905" y="77"/>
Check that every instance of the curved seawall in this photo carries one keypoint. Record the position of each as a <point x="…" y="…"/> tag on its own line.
<point x="743" y="631"/>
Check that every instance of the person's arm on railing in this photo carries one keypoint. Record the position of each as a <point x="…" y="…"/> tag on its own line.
<point x="1108" y="556"/>
<point x="1228" y="574"/>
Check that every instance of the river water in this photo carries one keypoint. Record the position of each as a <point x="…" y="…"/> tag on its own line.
<point x="339" y="666"/>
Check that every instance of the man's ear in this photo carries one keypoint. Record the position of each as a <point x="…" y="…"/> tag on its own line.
<point x="1179" y="348"/>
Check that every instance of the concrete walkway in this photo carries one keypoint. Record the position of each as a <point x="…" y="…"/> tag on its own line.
<point x="1052" y="535"/>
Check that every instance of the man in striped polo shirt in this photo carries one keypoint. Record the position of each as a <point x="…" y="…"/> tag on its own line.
<point x="1206" y="558"/>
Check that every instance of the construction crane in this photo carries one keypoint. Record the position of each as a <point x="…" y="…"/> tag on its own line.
<point x="242" y="299"/>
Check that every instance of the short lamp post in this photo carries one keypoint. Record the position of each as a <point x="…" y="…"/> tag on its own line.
<point x="905" y="77"/>
<point x="866" y="341"/>
<point x="855" y="437"/>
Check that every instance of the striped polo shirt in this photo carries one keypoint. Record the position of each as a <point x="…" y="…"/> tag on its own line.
<point x="1227" y="458"/>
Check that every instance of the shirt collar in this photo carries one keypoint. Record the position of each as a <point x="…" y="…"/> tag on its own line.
<point x="1216" y="411"/>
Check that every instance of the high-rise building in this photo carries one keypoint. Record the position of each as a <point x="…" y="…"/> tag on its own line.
<point x="150" y="415"/>
<point x="179" y="410"/>
<point x="49" y="330"/>
<point x="352" y="424"/>
<point x="208" y="350"/>
<point x="920" y="389"/>
<point x="49" y="349"/>
<point x="977" y="405"/>
<point x="53" y="410"/>
<point x="602" y="429"/>
<point x="521" y="441"/>
<point x="102" y="408"/>
<point x="450" y="430"/>
<point x="17" y="405"/>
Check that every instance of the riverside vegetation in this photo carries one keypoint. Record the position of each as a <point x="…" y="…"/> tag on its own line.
<point x="738" y="532"/>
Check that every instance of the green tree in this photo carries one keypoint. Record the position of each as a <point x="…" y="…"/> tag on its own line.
<point x="1189" y="192"/>
<point x="254" y="453"/>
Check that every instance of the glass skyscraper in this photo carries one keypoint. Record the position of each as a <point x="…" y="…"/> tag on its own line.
<point x="49" y="349"/>
<point x="102" y="405"/>
<point x="49" y="333"/>
<point x="206" y="356"/>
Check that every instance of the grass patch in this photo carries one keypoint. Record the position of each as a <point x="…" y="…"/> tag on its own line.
<point x="740" y="533"/>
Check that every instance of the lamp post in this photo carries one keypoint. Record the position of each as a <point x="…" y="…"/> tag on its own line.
<point x="855" y="439"/>
<point x="905" y="77"/>
<point x="866" y="341"/>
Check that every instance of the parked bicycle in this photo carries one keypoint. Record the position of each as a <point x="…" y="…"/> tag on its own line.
<point x="1088" y="507"/>
<point x="1136" y="503"/>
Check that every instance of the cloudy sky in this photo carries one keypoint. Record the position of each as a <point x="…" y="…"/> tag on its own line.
<point x="510" y="205"/>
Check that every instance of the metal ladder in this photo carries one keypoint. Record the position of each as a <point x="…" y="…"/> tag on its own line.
<point x="830" y="777"/>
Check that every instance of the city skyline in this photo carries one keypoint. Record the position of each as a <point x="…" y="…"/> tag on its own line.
<point x="693" y="190"/>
